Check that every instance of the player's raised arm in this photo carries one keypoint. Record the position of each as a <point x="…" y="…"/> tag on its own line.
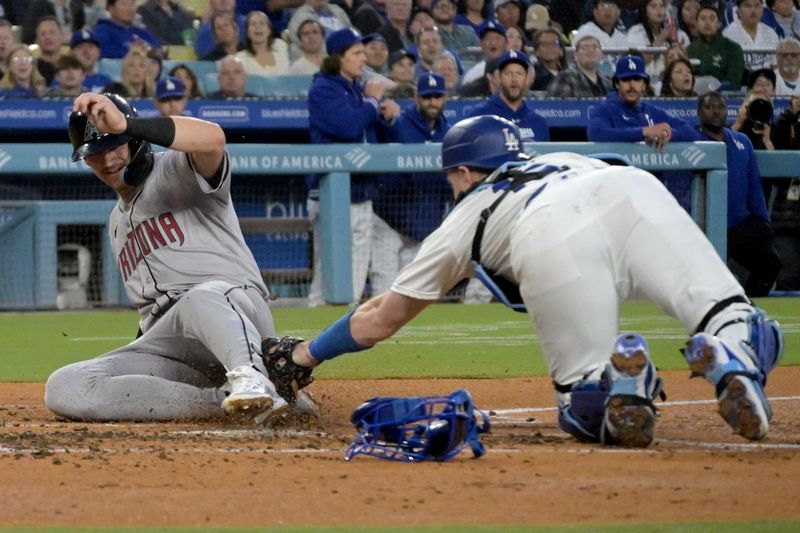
<point x="203" y="140"/>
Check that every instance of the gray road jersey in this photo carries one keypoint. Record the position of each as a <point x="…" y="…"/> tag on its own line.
<point x="445" y="257"/>
<point x="177" y="232"/>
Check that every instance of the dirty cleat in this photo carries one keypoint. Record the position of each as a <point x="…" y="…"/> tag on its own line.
<point x="740" y="396"/>
<point x="629" y="413"/>
<point x="629" y="423"/>
<point x="252" y="398"/>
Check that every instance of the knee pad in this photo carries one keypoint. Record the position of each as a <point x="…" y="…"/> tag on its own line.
<point x="581" y="415"/>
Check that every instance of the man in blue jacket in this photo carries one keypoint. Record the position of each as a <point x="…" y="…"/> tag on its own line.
<point x="624" y="117"/>
<point x="410" y="206"/>
<point x="513" y="71"/>
<point x="750" y="236"/>
<point x="117" y="34"/>
<point x="342" y="110"/>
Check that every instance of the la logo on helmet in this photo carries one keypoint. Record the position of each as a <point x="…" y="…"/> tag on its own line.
<point x="512" y="142"/>
<point x="90" y="132"/>
<point x="631" y="64"/>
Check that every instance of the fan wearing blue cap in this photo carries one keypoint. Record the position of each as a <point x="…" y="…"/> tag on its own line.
<point x="171" y="98"/>
<point x="86" y="48"/>
<point x="624" y="117"/>
<point x="493" y="44"/>
<point x="410" y="206"/>
<point x="343" y="110"/>
<point x="514" y="78"/>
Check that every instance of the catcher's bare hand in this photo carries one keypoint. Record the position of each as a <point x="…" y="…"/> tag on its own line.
<point x="287" y="376"/>
<point x="101" y="112"/>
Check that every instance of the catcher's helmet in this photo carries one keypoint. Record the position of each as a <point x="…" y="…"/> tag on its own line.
<point x="416" y="429"/>
<point x="483" y="142"/>
<point x="86" y="141"/>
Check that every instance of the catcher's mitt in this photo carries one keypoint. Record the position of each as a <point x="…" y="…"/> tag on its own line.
<point x="287" y="376"/>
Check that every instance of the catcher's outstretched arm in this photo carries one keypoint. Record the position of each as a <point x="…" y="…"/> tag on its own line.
<point x="376" y="320"/>
<point x="382" y="316"/>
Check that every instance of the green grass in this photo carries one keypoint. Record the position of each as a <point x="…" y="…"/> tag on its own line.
<point x="444" y="341"/>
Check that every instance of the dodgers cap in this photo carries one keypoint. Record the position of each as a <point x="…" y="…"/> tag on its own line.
<point x="339" y="41"/>
<point x="170" y="87"/>
<point x="430" y="83"/>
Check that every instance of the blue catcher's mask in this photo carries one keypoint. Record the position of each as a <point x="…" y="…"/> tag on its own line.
<point x="419" y="428"/>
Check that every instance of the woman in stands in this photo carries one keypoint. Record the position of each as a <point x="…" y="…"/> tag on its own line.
<point x="687" y="18"/>
<point x="22" y="79"/>
<point x="137" y="77"/>
<point x="472" y="13"/>
<point x="189" y="79"/>
<point x="515" y="39"/>
<point x="263" y="54"/>
<point x="678" y="80"/>
<point x="654" y="29"/>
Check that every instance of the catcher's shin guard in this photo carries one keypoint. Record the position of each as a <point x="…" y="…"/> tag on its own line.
<point x="633" y="385"/>
<point x="738" y="383"/>
<point x="580" y="411"/>
<point x="749" y="333"/>
<point x="287" y="376"/>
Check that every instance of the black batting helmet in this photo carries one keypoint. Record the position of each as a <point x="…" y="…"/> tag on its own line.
<point x="85" y="138"/>
<point x="86" y="141"/>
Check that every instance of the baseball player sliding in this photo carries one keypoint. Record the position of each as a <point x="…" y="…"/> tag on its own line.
<point x="568" y="237"/>
<point x="202" y="302"/>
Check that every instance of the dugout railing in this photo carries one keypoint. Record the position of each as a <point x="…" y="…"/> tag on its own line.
<point x="28" y="255"/>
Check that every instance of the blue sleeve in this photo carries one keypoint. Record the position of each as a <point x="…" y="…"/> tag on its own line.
<point x="390" y="133"/>
<point x="203" y="40"/>
<point x="756" y="203"/>
<point x="682" y="131"/>
<point x="603" y="129"/>
<point x="344" y="119"/>
<point x="147" y="36"/>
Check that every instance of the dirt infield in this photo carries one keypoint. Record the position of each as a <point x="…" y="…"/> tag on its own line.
<point x="213" y="473"/>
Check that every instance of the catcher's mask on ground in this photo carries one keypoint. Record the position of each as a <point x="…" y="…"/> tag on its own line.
<point x="87" y="141"/>
<point x="418" y="428"/>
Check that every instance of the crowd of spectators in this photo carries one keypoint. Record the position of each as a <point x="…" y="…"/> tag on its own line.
<point x="506" y="52"/>
<point x="724" y="40"/>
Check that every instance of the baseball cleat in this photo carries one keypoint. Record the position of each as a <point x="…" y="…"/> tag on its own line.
<point x="630" y="416"/>
<point x="741" y="399"/>
<point x="252" y="398"/>
<point x="630" y="425"/>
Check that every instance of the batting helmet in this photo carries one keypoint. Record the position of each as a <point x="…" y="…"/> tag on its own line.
<point x="483" y="142"/>
<point x="86" y="141"/>
<point x="416" y="429"/>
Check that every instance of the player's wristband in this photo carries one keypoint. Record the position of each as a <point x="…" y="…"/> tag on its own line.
<point x="335" y="341"/>
<point x="156" y="130"/>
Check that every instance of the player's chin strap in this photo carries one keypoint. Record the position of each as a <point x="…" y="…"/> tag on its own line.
<point x="511" y="178"/>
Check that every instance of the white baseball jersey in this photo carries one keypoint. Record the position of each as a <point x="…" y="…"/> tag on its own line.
<point x="178" y="232"/>
<point x="577" y="242"/>
<point x="765" y="39"/>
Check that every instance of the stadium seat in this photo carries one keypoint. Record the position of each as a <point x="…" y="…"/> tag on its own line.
<point x="196" y="7"/>
<point x="177" y="52"/>
<point x="287" y="86"/>
<point x="253" y="86"/>
<point x="110" y="67"/>
<point x="200" y="68"/>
